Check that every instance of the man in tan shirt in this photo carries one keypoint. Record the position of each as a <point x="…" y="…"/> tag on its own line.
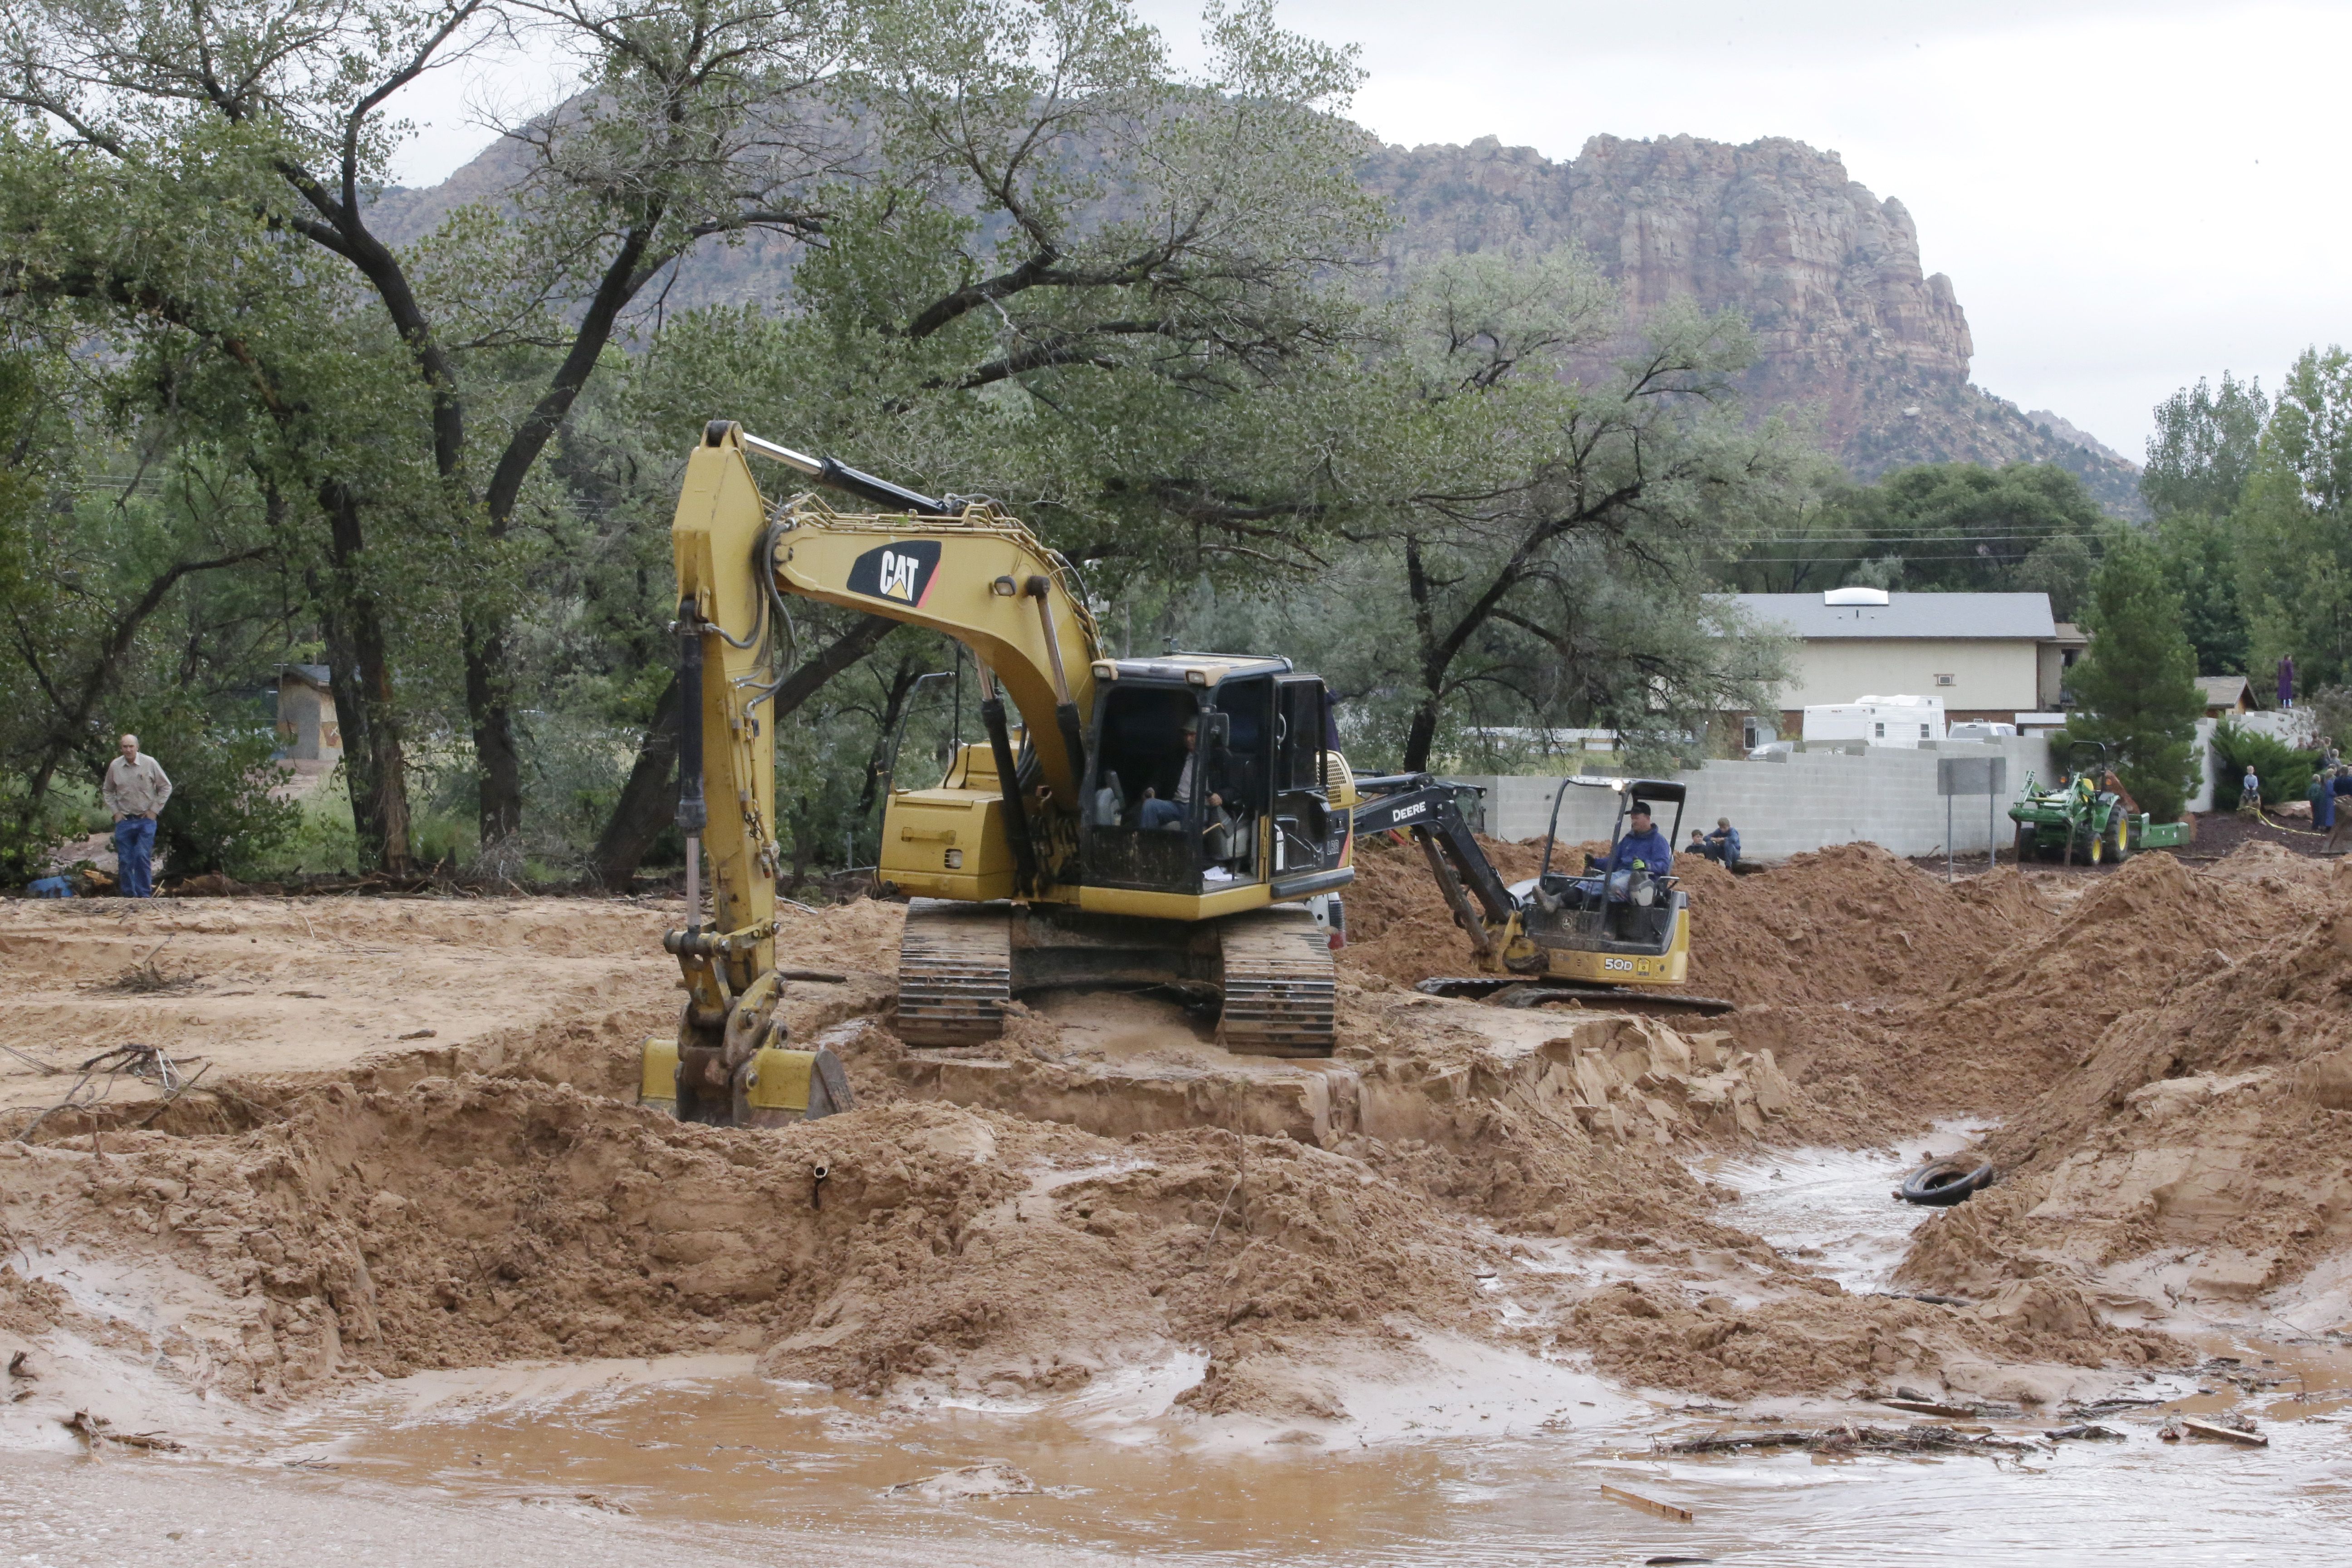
<point x="136" y="791"/>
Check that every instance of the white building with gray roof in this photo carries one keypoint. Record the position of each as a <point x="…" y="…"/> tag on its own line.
<point x="1987" y="656"/>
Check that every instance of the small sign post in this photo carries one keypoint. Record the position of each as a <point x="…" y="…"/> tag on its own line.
<point x="1986" y="776"/>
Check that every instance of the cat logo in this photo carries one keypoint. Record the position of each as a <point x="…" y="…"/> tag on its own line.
<point x="901" y="572"/>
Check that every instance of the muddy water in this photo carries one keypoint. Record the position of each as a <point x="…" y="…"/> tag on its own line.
<point x="1487" y="1460"/>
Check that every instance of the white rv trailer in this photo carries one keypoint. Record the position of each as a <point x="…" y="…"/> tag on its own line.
<point x="1877" y="721"/>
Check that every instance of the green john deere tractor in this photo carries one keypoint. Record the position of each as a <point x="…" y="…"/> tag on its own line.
<point x="2087" y="816"/>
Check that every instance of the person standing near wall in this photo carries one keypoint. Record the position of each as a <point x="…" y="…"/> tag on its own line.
<point x="136" y="791"/>
<point x="2339" y="785"/>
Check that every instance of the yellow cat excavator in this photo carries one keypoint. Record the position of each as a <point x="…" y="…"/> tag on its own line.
<point x="1182" y="821"/>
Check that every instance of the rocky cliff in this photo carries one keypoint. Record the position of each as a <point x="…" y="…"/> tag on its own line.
<point x="1826" y="273"/>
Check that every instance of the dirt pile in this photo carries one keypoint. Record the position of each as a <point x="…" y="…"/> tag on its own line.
<point x="912" y="1251"/>
<point x="2007" y="1021"/>
<point x="1816" y="1337"/>
<point x="460" y="1223"/>
<point x="1839" y="923"/>
<point x="1399" y="928"/>
<point x="2198" y="1148"/>
<point x="1407" y="1067"/>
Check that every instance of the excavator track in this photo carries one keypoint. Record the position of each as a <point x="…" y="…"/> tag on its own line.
<point x="955" y="972"/>
<point x="1279" y="984"/>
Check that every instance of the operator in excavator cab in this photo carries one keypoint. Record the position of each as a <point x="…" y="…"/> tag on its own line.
<point x="1170" y="813"/>
<point x="1627" y="877"/>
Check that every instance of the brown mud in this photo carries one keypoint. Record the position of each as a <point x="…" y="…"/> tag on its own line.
<point x="414" y="1147"/>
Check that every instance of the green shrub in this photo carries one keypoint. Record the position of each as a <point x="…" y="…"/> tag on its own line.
<point x="322" y="842"/>
<point x="24" y="847"/>
<point x="2285" y="773"/>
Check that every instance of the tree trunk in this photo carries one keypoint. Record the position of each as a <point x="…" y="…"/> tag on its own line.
<point x="1421" y="735"/>
<point x="894" y="707"/>
<point x="360" y="674"/>
<point x="497" y="765"/>
<point x="646" y="800"/>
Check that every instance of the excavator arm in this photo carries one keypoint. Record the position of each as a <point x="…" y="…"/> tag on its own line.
<point x="962" y="568"/>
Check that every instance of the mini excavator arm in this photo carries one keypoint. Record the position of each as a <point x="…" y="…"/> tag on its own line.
<point x="1430" y="809"/>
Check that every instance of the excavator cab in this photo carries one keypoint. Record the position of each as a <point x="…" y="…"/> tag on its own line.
<point x="1196" y="787"/>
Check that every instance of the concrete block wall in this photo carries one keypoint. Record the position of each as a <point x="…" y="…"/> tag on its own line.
<point x="1886" y="795"/>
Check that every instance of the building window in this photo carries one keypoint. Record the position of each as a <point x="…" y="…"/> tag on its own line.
<point x="1922" y="732"/>
<point x="1946" y="680"/>
<point x="1879" y="732"/>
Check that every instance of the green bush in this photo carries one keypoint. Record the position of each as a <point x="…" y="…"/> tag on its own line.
<point x="2285" y="772"/>
<point x="25" y="846"/>
<point x="321" y="841"/>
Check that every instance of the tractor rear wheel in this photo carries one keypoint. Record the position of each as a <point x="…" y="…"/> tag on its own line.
<point x="2119" y="844"/>
<point x="2025" y="842"/>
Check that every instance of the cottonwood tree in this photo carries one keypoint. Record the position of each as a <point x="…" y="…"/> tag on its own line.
<point x="698" y="121"/>
<point x="1072" y="278"/>
<point x="128" y="600"/>
<point x="1547" y="540"/>
<point x="2204" y="448"/>
<point x="1949" y="527"/>
<point x="2294" y="524"/>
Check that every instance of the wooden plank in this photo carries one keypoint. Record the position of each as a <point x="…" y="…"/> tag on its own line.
<point x="2197" y="1428"/>
<point x="1647" y="1505"/>
<point x="1931" y="1407"/>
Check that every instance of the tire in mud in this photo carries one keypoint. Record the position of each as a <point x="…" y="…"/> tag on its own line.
<point x="1940" y="1183"/>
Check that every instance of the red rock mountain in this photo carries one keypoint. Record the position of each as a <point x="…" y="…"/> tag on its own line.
<point x="1826" y="273"/>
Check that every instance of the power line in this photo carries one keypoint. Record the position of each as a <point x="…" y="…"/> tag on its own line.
<point x="1826" y="560"/>
<point x="1920" y="538"/>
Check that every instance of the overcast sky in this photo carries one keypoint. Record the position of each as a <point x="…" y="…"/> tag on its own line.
<point x="2126" y="196"/>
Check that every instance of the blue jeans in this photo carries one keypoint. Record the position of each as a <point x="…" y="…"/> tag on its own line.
<point x="1159" y="814"/>
<point x="134" y="850"/>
